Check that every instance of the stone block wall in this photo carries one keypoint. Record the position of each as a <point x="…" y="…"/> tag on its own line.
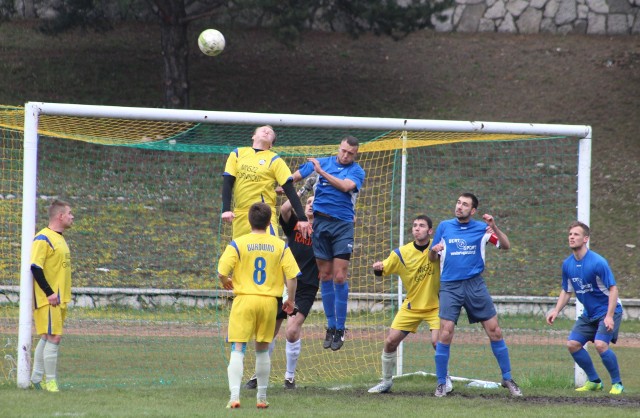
<point x="595" y="17"/>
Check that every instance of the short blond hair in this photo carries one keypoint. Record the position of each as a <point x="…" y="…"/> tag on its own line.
<point x="56" y="207"/>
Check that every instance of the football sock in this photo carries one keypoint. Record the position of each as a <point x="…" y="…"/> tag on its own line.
<point x="50" y="355"/>
<point x="388" y="364"/>
<point x="293" y="352"/>
<point x="342" y="295"/>
<point x="263" y="368"/>
<point x="610" y="361"/>
<point x="442" y="361"/>
<point x="234" y="373"/>
<point x="38" y="362"/>
<point x="582" y="358"/>
<point x="328" y="302"/>
<point x="501" y="353"/>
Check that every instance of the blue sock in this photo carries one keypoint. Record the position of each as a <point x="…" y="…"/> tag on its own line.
<point x="610" y="361"/>
<point x="342" y="295"/>
<point x="582" y="358"/>
<point x="329" y="302"/>
<point x="501" y="353"/>
<point x="442" y="361"/>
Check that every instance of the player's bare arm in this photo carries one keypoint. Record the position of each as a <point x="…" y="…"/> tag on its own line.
<point x="563" y="299"/>
<point x="344" y="185"/>
<point x="433" y="252"/>
<point x="613" y="302"/>
<point x="505" y="244"/>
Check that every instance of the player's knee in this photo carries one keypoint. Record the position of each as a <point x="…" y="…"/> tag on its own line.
<point x="573" y="346"/>
<point x="601" y="346"/>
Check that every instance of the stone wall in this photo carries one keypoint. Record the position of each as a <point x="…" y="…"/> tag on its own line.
<point x="597" y="17"/>
<point x="92" y="297"/>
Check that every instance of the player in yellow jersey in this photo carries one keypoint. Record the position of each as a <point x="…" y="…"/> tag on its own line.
<point x="51" y="269"/>
<point x="251" y="175"/>
<point x="421" y="281"/>
<point x="259" y="262"/>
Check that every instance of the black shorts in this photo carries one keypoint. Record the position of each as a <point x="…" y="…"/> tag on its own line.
<point x="305" y="296"/>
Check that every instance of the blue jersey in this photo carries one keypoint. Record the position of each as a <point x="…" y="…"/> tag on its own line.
<point x="330" y="200"/>
<point x="464" y="247"/>
<point x="590" y="279"/>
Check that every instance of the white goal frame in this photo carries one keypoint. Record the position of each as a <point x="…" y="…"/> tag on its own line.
<point x="33" y="110"/>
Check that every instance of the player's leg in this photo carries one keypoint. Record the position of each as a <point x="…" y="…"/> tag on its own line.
<point x="241" y="329"/>
<point x="451" y="300"/>
<point x="266" y="310"/>
<point x="432" y="319"/>
<point x="40" y="319"/>
<point x="340" y="271"/>
<point x="405" y="321"/>
<point x="602" y="339"/>
<point x="327" y="290"/>
<point x="52" y="346"/>
<point x="582" y="332"/>
<point x="342" y="247"/>
<point x="305" y="296"/>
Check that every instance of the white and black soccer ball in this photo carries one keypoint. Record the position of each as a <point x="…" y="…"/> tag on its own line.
<point x="211" y="42"/>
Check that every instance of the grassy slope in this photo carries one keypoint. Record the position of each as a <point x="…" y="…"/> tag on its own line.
<point x="497" y="77"/>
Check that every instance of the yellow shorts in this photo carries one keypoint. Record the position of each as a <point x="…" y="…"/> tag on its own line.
<point x="410" y="319"/>
<point x="252" y="316"/>
<point x="50" y="319"/>
<point x="242" y="227"/>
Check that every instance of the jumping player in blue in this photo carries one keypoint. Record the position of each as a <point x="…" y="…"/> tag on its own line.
<point x="340" y="179"/>
<point x="460" y="243"/>
<point x="588" y="275"/>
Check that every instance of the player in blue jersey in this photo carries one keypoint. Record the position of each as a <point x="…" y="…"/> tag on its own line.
<point x="588" y="275"/>
<point x="51" y="269"/>
<point x="340" y="179"/>
<point x="460" y="243"/>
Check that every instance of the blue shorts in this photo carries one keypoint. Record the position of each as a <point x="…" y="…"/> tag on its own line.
<point x="472" y="294"/>
<point x="331" y="237"/>
<point x="305" y="297"/>
<point x="587" y="329"/>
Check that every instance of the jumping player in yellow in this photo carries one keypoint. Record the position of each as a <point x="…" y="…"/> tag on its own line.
<point x="250" y="176"/>
<point x="259" y="262"/>
<point x="421" y="281"/>
<point x="51" y="269"/>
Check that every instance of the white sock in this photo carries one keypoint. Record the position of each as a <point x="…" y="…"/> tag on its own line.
<point x="388" y="365"/>
<point x="50" y="355"/>
<point x="293" y="352"/>
<point x="263" y="368"/>
<point x="234" y="373"/>
<point x="38" y="362"/>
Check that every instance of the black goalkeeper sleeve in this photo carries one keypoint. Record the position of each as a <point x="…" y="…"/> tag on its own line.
<point x="293" y="197"/>
<point x="38" y="274"/>
<point x="227" y="189"/>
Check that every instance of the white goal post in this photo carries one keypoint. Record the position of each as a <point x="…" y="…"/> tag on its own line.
<point x="33" y="111"/>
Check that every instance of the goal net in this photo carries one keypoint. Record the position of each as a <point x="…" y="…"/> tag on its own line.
<point x="145" y="185"/>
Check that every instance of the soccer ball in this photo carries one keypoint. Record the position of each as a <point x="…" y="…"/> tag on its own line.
<point x="211" y="42"/>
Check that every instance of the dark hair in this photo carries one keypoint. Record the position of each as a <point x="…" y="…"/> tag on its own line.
<point x="259" y="216"/>
<point x="474" y="199"/>
<point x="425" y="218"/>
<point x="56" y="207"/>
<point x="585" y="227"/>
<point x="351" y="140"/>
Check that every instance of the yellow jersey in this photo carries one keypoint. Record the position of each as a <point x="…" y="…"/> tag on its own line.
<point x="420" y="277"/>
<point x="257" y="173"/>
<point x="258" y="264"/>
<point x="50" y="252"/>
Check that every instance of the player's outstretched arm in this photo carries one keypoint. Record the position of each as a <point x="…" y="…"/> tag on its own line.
<point x="505" y="244"/>
<point x="563" y="299"/>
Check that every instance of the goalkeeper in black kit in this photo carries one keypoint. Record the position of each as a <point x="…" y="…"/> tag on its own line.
<point x="308" y="283"/>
